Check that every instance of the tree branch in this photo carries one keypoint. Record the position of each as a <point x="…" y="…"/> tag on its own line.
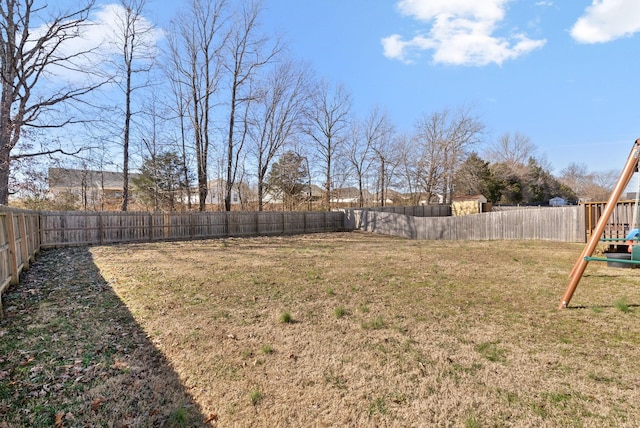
<point x="47" y="152"/>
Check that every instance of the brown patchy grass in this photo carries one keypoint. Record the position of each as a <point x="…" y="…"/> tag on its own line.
<point x="347" y="330"/>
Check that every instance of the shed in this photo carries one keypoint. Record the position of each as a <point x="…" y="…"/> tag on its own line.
<point x="557" y="202"/>
<point x="472" y="204"/>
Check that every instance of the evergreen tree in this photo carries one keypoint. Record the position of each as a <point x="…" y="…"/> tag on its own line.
<point x="288" y="178"/>
<point x="160" y="182"/>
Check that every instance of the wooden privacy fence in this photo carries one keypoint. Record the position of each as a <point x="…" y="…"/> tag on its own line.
<point x="19" y="243"/>
<point x="440" y="210"/>
<point x="23" y="233"/>
<point x="554" y="224"/>
<point x="623" y="218"/>
<point x="89" y="228"/>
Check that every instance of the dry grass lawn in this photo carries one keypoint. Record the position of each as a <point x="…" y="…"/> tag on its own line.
<point x="343" y="329"/>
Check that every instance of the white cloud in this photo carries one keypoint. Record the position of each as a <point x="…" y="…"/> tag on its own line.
<point x="461" y="33"/>
<point x="100" y="41"/>
<point x="607" y="20"/>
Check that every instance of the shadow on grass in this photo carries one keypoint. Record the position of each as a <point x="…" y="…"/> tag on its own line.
<point x="71" y="354"/>
<point x="576" y="307"/>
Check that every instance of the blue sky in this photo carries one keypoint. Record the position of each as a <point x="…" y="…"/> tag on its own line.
<point x="562" y="73"/>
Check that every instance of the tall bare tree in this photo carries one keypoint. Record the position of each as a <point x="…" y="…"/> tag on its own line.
<point x="444" y="138"/>
<point x="133" y="37"/>
<point x="178" y="107"/>
<point x="196" y="46"/>
<point x="248" y="53"/>
<point x="430" y="137"/>
<point x="464" y="133"/>
<point x="32" y="48"/>
<point x="369" y="140"/>
<point x="407" y="153"/>
<point x="276" y="116"/>
<point x="327" y="125"/>
<point x="511" y="149"/>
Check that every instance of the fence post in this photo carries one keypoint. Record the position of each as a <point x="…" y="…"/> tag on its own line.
<point x="13" y="257"/>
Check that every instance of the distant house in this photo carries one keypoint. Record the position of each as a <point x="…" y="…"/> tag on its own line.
<point x="94" y="189"/>
<point x="473" y="204"/>
<point x="436" y="198"/>
<point x="557" y="202"/>
<point x="275" y="195"/>
<point x="240" y="193"/>
<point x="349" y="195"/>
<point x="391" y="197"/>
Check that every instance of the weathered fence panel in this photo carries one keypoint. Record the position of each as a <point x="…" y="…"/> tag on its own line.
<point x="554" y="224"/>
<point x="19" y="243"/>
<point x="89" y="228"/>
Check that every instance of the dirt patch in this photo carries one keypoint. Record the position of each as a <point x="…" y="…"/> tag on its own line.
<point x="355" y="329"/>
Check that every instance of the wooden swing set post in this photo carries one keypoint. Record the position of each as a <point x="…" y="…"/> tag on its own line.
<point x="581" y="264"/>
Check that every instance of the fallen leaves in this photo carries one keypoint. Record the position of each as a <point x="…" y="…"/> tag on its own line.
<point x="97" y="402"/>
<point x="27" y="361"/>
<point x="71" y="354"/>
<point x="61" y="417"/>
<point x="213" y="417"/>
<point x="58" y="423"/>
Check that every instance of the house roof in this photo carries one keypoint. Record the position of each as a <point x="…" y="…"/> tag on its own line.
<point x="470" y="198"/>
<point x="70" y="178"/>
<point x="348" y="192"/>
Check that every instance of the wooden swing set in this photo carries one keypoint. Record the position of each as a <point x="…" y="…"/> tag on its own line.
<point x="581" y="264"/>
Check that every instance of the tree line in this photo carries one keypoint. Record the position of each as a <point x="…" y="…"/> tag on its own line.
<point x="212" y="95"/>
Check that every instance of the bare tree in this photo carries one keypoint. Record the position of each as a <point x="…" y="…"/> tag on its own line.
<point x="513" y="149"/>
<point x="606" y="180"/>
<point x="444" y="139"/>
<point x="577" y="177"/>
<point x="133" y="37"/>
<point x="369" y="141"/>
<point x="29" y="57"/>
<point x="196" y="46"/>
<point x="430" y="137"/>
<point x="276" y="115"/>
<point x="178" y="107"/>
<point x="406" y="155"/>
<point x="247" y="55"/>
<point x="463" y="133"/>
<point x="327" y="124"/>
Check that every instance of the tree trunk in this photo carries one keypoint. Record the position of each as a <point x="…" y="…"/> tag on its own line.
<point x="230" y="175"/>
<point x="4" y="170"/>
<point x="260" y="194"/>
<point x="127" y="132"/>
<point x="327" y="185"/>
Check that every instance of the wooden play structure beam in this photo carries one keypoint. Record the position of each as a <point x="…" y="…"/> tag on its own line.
<point x="581" y="264"/>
